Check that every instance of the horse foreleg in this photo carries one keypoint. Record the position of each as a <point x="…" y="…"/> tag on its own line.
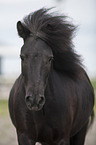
<point x="79" y="138"/>
<point x="62" y="142"/>
<point x="24" y="140"/>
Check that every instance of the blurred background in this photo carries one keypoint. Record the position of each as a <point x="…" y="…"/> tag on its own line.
<point x="81" y="13"/>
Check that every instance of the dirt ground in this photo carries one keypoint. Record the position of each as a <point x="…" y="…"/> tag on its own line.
<point x="8" y="134"/>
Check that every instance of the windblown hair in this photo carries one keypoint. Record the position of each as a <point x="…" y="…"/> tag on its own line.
<point x="58" y="34"/>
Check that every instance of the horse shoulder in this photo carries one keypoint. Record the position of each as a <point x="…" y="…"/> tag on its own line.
<point x="85" y="101"/>
<point x="12" y="98"/>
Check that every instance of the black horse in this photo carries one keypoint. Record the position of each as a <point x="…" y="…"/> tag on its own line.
<point x="52" y="100"/>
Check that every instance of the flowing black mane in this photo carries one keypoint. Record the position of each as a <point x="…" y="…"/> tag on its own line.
<point x="57" y="33"/>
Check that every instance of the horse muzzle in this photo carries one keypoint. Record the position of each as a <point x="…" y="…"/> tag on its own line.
<point x="33" y="103"/>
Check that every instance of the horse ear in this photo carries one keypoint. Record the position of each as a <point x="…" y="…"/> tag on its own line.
<point x="22" y="30"/>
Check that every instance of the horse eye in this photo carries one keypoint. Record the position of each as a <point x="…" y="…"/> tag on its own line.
<point x="50" y="59"/>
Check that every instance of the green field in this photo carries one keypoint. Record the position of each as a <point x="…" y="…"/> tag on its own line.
<point x="3" y="107"/>
<point x="4" y="103"/>
<point x="94" y="84"/>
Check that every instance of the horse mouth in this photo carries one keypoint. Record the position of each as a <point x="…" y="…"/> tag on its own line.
<point x="35" y="107"/>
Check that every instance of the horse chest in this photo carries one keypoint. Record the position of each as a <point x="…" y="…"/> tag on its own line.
<point x="51" y="116"/>
<point x="44" y="126"/>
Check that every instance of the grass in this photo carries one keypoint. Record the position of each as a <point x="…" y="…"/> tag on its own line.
<point x="94" y="84"/>
<point x="3" y="108"/>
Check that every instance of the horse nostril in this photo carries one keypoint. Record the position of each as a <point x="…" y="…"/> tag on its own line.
<point x="29" y="99"/>
<point x="41" y="100"/>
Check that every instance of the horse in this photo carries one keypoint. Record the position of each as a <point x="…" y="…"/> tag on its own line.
<point x="52" y="100"/>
